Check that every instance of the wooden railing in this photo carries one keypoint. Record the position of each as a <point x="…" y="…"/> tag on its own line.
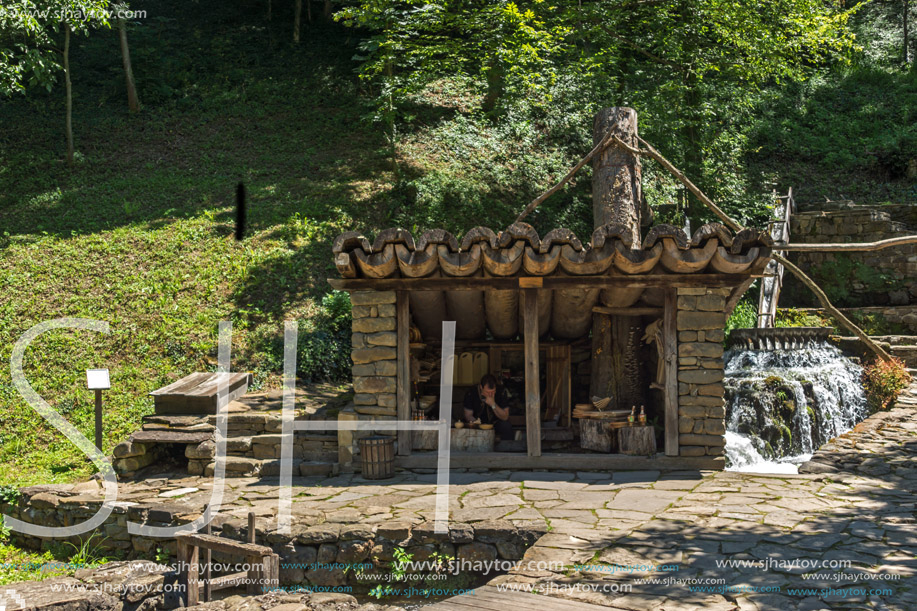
<point x="773" y="273"/>
<point x="262" y="576"/>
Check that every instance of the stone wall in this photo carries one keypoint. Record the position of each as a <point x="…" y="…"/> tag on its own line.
<point x="859" y="224"/>
<point x="375" y="368"/>
<point x="701" y="320"/>
<point x="315" y="548"/>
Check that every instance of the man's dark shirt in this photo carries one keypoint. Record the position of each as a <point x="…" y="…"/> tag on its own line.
<point x="475" y="404"/>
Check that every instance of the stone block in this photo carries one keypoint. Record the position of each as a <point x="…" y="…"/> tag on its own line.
<point x="691" y="411"/>
<point x="374" y="384"/>
<point x="692" y="291"/>
<point x="687" y="360"/>
<point x="691" y="451"/>
<point x="700" y="376"/>
<point x="687" y="336"/>
<point x="687" y="302"/>
<point x="714" y="426"/>
<point x="387" y="400"/>
<point x="699" y="401"/>
<point x="716" y="412"/>
<point x="476" y="552"/>
<point x="128" y="449"/>
<point x="358" y="340"/>
<point x="698" y="427"/>
<point x="361" y="311"/>
<point x="359" y="298"/>
<point x="364" y="399"/>
<point x="711" y="303"/>
<point x="715" y="335"/>
<point x="375" y="410"/>
<point x="365" y="369"/>
<point x="700" y="320"/>
<point x="386" y="309"/>
<point x="715" y="451"/>
<point x="706" y="349"/>
<point x="387" y="338"/>
<point x="701" y="440"/>
<point x="685" y="425"/>
<point x="239" y="444"/>
<point x="204" y="450"/>
<point x="373" y="325"/>
<point x="713" y="390"/>
<point x="385" y="368"/>
<point x="371" y="355"/>
<point x="264" y="452"/>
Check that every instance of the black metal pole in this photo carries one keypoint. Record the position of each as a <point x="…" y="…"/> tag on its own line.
<point x="99" y="420"/>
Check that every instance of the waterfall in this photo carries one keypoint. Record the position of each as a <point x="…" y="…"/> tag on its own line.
<point x="782" y="405"/>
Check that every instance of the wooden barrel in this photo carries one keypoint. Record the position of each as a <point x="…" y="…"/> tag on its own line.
<point x="378" y="457"/>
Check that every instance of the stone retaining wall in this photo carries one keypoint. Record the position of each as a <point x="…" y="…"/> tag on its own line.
<point x="858" y="224"/>
<point x="701" y="320"/>
<point x="327" y="543"/>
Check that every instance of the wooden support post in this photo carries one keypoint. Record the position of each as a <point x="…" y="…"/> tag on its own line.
<point x="253" y="585"/>
<point x="670" y="353"/>
<point x="208" y="575"/>
<point x="192" y="581"/>
<point x="251" y="527"/>
<point x="403" y="379"/>
<point x="532" y="371"/>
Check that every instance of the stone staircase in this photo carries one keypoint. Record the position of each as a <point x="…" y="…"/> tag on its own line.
<point x="253" y="445"/>
<point x="908" y="397"/>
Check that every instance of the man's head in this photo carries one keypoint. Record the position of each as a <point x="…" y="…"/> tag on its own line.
<point x="488" y="385"/>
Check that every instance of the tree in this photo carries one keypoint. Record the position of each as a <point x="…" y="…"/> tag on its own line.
<point x="29" y="47"/>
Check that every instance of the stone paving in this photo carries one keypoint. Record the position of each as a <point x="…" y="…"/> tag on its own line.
<point x="749" y="539"/>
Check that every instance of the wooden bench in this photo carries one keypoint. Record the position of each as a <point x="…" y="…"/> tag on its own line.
<point x="262" y="576"/>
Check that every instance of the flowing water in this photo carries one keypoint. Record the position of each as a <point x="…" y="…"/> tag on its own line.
<point x="782" y="405"/>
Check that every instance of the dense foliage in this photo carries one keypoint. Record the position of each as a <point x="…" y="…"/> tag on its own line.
<point x="884" y="381"/>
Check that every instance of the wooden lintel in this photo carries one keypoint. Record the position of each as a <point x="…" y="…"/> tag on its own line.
<point x="531" y="282"/>
<point x="225" y="546"/>
<point x="473" y="283"/>
<point x="628" y="311"/>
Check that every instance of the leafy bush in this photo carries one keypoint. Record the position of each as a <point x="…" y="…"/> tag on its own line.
<point x="324" y="347"/>
<point x="9" y="494"/>
<point x="791" y="317"/>
<point x="745" y="316"/>
<point x="884" y="381"/>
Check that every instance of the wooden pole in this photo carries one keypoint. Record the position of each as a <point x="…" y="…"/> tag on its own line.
<point x="99" y="419"/>
<point x="297" y="16"/>
<point x="69" y="90"/>
<point x="670" y="354"/>
<point x="532" y="371"/>
<point x="403" y="379"/>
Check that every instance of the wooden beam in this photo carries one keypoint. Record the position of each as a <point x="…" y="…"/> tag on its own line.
<point x="628" y="311"/>
<point x="670" y="353"/>
<point x="225" y="546"/>
<point x="562" y="462"/>
<point x="403" y="379"/>
<point x="477" y="283"/>
<point x="532" y="371"/>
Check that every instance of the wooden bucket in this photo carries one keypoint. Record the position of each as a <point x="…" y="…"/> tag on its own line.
<point x="377" y="454"/>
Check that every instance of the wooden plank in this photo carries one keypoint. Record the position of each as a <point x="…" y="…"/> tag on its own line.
<point x="228" y="581"/>
<point x="480" y="283"/>
<point x="532" y="371"/>
<point x="567" y="393"/>
<point x="254" y="584"/>
<point x="562" y="462"/>
<point x="403" y="379"/>
<point x="208" y="573"/>
<point x="628" y="311"/>
<point x="670" y="351"/>
<point x="226" y="546"/>
<point x="531" y="282"/>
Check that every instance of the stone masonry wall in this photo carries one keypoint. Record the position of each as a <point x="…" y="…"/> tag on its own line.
<point x="374" y="367"/>
<point x="701" y="320"/>
<point x="858" y="224"/>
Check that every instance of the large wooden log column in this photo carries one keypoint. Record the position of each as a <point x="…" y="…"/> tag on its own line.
<point x="532" y="371"/>
<point x="616" y="198"/>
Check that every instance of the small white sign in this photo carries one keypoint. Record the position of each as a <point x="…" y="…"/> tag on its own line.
<point x="97" y="379"/>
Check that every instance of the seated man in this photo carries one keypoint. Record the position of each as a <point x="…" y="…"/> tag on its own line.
<point x="490" y="406"/>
